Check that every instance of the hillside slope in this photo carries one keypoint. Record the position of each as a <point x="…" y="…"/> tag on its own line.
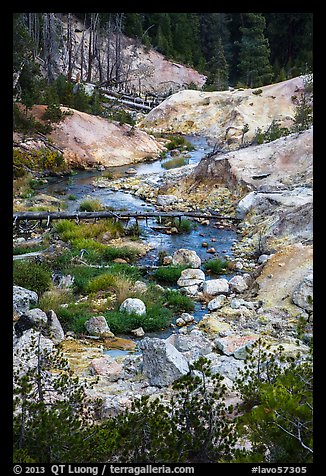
<point x="221" y="115"/>
<point x="88" y="140"/>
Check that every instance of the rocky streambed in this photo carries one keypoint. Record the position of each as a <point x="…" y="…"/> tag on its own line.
<point x="232" y="311"/>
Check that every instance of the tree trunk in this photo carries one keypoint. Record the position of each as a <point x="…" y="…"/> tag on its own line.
<point x="69" y="47"/>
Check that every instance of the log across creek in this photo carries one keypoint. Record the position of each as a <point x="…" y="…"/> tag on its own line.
<point x="123" y="215"/>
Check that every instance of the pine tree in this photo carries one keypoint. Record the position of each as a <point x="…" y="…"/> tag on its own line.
<point x="218" y="68"/>
<point x="52" y="414"/>
<point x="254" y="66"/>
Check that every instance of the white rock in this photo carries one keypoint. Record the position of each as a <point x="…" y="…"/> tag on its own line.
<point x="216" y="286"/>
<point x="139" y="332"/>
<point x="227" y="367"/>
<point x="180" y="322"/>
<point x="22" y="299"/>
<point x="37" y="317"/>
<point x="185" y="257"/>
<point x="162" y="362"/>
<point x="238" y="284"/>
<point x="303" y="294"/>
<point x="191" y="342"/>
<point x="190" y="290"/>
<point x="216" y="303"/>
<point x="164" y="200"/>
<point x="133" y="306"/>
<point x="191" y="277"/>
<point x="98" y="326"/>
<point x="262" y="259"/>
<point x="55" y="330"/>
<point x="187" y="317"/>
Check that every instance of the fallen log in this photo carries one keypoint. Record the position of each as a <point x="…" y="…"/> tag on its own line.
<point x="28" y="216"/>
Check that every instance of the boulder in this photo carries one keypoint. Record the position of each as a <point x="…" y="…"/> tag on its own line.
<point x="140" y="287"/>
<point x="216" y="303"/>
<point x="54" y="330"/>
<point x="139" y="332"/>
<point x="190" y="290"/>
<point x="106" y="366"/>
<point x="37" y="317"/>
<point x="235" y="345"/>
<point x="191" y="277"/>
<point x="227" y="367"/>
<point x="185" y="257"/>
<point x="165" y="200"/>
<point x="22" y="299"/>
<point x="216" y="286"/>
<point x="213" y="325"/>
<point x="303" y="294"/>
<point x="191" y="342"/>
<point x="97" y="326"/>
<point x="263" y="258"/>
<point x="162" y="362"/>
<point x="238" y="284"/>
<point x="187" y="317"/>
<point x="180" y="322"/>
<point x="246" y="204"/>
<point x="33" y="318"/>
<point x="26" y="349"/>
<point x="133" y="306"/>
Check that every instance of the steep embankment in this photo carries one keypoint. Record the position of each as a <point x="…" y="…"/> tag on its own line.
<point x="142" y="68"/>
<point x="221" y="115"/>
<point x="88" y="140"/>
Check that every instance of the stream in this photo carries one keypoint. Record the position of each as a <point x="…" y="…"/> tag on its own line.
<point x="80" y="185"/>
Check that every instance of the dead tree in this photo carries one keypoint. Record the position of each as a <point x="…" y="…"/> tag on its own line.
<point x="50" y="44"/>
<point x="69" y="46"/>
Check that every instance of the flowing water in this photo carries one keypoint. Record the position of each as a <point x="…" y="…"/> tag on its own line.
<point x="81" y="185"/>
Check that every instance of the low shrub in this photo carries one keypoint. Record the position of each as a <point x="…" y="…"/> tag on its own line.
<point x="175" y="162"/>
<point x="69" y="230"/>
<point x="183" y="226"/>
<point x="110" y="253"/>
<point x="53" y="113"/>
<point x="179" y="302"/>
<point x="38" y="160"/>
<point x="168" y="274"/>
<point x="178" y="141"/>
<point x="32" y="275"/>
<point x="156" y="318"/>
<point x="74" y="316"/>
<point x="90" y="205"/>
<point x="215" y="266"/>
<point x="103" y="282"/>
<point x="54" y="298"/>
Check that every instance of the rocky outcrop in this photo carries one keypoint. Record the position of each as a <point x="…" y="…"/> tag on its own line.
<point x="46" y="323"/>
<point x="88" y="140"/>
<point x="287" y="273"/>
<point x="221" y="115"/>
